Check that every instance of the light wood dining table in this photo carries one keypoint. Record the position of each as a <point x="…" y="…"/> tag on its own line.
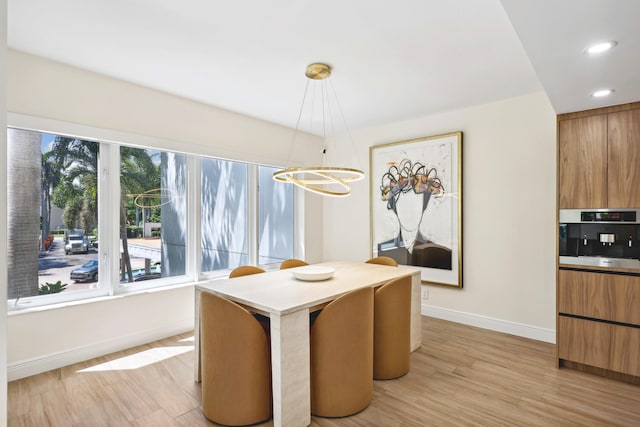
<point x="288" y="302"/>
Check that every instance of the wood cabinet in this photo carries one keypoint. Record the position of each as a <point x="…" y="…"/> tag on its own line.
<point x="598" y="158"/>
<point x="609" y="346"/>
<point x="612" y="297"/>
<point x="598" y="311"/>
<point x="623" y="171"/>
<point x="599" y="320"/>
<point x="583" y="162"/>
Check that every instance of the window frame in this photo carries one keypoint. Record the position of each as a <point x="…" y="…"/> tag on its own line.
<point x="117" y="287"/>
<point x="109" y="215"/>
<point x="223" y="272"/>
<point x="20" y="303"/>
<point x="253" y="220"/>
<point x="294" y="249"/>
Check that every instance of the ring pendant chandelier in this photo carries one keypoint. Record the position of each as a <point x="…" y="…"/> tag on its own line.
<point x="323" y="180"/>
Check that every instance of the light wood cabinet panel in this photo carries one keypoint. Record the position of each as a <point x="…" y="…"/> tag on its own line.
<point x="583" y="162"/>
<point x="599" y="167"/>
<point x="603" y="345"/>
<point x="624" y="159"/>
<point x="600" y="296"/>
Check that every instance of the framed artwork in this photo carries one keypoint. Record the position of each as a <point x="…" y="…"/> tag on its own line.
<point x="416" y="205"/>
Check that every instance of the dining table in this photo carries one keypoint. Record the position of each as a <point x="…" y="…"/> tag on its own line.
<point x="287" y="301"/>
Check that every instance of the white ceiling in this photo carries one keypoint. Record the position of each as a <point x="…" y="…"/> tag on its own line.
<point x="392" y="60"/>
<point x="555" y="33"/>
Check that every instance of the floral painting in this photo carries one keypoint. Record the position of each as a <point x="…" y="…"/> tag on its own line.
<point x="416" y="205"/>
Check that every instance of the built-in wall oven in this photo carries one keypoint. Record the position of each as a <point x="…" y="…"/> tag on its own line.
<point x="608" y="238"/>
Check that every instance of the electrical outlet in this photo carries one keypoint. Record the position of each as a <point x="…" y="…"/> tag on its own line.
<point x="425" y="294"/>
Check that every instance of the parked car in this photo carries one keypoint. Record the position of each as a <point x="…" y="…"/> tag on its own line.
<point x="154" y="273"/>
<point x="76" y="243"/>
<point x="87" y="273"/>
<point x="150" y="276"/>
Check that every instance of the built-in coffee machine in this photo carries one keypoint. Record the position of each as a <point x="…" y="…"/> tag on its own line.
<point x="600" y="237"/>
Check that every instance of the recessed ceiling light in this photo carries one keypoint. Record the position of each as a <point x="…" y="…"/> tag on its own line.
<point x="600" y="47"/>
<point x="601" y="93"/>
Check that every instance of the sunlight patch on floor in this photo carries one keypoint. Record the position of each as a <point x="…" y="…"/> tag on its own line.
<point x="139" y="360"/>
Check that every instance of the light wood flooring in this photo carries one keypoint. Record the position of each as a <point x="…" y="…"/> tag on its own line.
<point x="461" y="376"/>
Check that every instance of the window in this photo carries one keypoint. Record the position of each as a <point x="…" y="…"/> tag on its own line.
<point x="275" y="218"/>
<point x="90" y="218"/>
<point x="224" y="219"/>
<point x="153" y="215"/>
<point x="53" y="214"/>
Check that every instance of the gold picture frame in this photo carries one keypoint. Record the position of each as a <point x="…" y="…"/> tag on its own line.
<point x="416" y="205"/>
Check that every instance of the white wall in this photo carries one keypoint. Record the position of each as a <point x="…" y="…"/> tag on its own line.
<point x="47" y="89"/>
<point x="509" y="189"/>
<point x="3" y="212"/>
<point x="92" y="105"/>
<point x="53" y="337"/>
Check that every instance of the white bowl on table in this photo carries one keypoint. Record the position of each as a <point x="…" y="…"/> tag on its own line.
<point x="313" y="273"/>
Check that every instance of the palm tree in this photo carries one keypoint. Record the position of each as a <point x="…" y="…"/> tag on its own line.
<point x="23" y="188"/>
<point x="50" y="178"/>
<point x="77" y="192"/>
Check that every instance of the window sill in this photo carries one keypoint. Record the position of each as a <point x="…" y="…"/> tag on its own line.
<point x="19" y="310"/>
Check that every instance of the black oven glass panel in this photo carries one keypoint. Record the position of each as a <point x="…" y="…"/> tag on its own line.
<point x="608" y="240"/>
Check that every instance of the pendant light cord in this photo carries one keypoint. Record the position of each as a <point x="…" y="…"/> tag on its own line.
<point x="295" y="133"/>
<point x="346" y="126"/>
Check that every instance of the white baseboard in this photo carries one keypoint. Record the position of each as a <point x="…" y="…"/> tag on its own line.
<point x="27" y="368"/>
<point x="506" y="326"/>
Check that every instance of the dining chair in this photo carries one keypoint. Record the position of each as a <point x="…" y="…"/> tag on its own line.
<point x="236" y="364"/>
<point x="383" y="260"/>
<point x="342" y="355"/>
<point x="392" y="329"/>
<point x="290" y="263"/>
<point x="245" y="270"/>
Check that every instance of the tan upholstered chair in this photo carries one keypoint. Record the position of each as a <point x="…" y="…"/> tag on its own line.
<point x="290" y="263"/>
<point x="392" y="329"/>
<point x="342" y="355"/>
<point x="236" y="364"/>
<point x="245" y="270"/>
<point x="383" y="260"/>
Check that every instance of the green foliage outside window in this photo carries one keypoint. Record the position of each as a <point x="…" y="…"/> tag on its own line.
<point x="52" y="288"/>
